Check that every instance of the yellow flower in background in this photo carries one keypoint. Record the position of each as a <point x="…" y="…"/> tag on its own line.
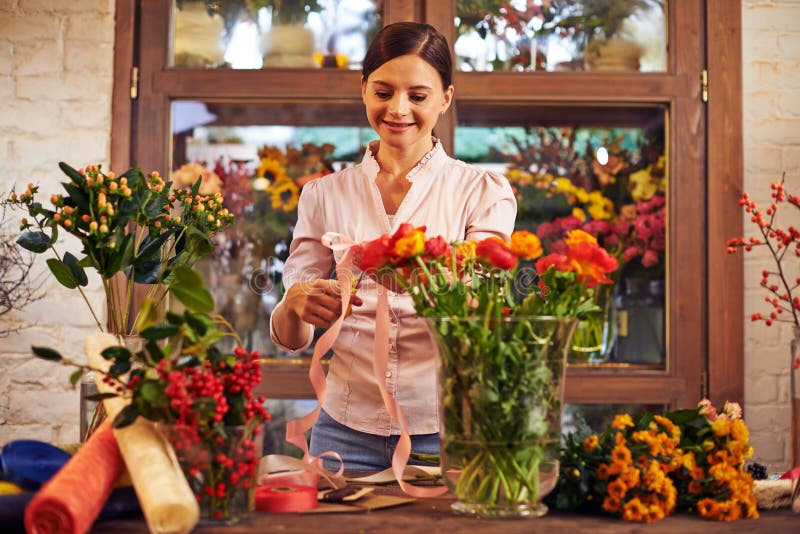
<point x="600" y="206"/>
<point x="578" y="213"/>
<point x="284" y="194"/>
<point x="643" y="185"/>
<point x="272" y="170"/>
<point x="739" y="431"/>
<point x="621" y="421"/>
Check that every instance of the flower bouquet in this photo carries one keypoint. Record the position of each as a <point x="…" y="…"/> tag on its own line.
<point x="643" y="468"/>
<point x="502" y="342"/>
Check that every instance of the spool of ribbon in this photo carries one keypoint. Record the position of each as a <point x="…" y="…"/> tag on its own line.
<point x="29" y="463"/>
<point x="285" y="499"/>
<point x="73" y="498"/>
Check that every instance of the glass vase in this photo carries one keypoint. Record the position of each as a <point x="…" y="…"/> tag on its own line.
<point x="220" y="463"/>
<point x="596" y="335"/>
<point x="501" y="398"/>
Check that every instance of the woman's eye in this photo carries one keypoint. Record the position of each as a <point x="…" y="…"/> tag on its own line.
<point x="383" y="95"/>
<point x="418" y="98"/>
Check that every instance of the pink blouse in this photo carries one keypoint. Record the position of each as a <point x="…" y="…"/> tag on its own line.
<point x="449" y="197"/>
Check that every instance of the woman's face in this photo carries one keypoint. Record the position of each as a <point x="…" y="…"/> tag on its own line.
<point x="403" y="100"/>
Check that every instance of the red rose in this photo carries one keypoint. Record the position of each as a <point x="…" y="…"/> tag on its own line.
<point x="372" y="255"/>
<point x="437" y="247"/>
<point x="497" y="253"/>
<point x="558" y="261"/>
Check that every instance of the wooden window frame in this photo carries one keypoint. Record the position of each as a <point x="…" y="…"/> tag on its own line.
<point x="704" y="140"/>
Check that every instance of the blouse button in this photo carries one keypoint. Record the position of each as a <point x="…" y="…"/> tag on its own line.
<point x="388" y="374"/>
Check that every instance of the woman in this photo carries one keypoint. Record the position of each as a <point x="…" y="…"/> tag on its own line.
<point x="405" y="176"/>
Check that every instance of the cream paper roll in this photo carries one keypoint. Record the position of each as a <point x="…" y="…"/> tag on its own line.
<point x="168" y="504"/>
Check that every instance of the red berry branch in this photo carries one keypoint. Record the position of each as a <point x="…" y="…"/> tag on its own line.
<point x="780" y="243"/>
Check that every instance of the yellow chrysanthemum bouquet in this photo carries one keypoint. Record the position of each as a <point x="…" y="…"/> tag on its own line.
<point x="643" y="468"/>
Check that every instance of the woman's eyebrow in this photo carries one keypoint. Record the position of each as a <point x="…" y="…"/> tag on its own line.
<point x="414" y="87"/>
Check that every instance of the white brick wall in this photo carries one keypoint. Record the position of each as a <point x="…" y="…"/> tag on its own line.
<point x="771" y="75"/>
<point x="55" y="88"/>
<point x="56" y="65"/>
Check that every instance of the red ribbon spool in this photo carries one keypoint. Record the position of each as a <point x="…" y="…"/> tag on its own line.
<point x="286" y="499"/>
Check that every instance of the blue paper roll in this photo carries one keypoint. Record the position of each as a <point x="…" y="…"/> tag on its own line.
<point x="29" y="463"/>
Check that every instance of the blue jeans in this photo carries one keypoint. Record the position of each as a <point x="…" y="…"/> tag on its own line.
<point x="362" y="451"/>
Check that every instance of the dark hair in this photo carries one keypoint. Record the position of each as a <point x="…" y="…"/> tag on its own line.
<point x="402" y="38"/>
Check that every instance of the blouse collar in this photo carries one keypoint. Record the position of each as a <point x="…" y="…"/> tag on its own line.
<point x="430" y="162"/>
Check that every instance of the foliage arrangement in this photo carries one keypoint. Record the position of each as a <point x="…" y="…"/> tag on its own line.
<point x="132" y="224"/>
<point x="643" y="468"/>
<point x="502" y="363"/>
<point x="201" y="398"/>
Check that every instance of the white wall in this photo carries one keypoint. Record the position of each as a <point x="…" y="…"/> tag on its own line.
<point x="55" y="88"/>
<point x="771" y="76"/>
<point x="56" y="62"/>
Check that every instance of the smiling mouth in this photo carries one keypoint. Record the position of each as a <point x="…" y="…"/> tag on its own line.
<point x="398" y="124"/>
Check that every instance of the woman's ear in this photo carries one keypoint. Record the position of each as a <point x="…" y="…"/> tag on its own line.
<point x="363" y="89"/>
<point x="448" y="99"/>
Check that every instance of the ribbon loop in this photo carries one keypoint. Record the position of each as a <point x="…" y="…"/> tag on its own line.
<point x="295" y="430"/>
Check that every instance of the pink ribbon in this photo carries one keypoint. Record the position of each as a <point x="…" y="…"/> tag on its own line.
<point x="296" y="429"/>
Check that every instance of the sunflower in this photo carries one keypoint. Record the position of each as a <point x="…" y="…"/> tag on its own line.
<point x="272" y="170"/>
<point x="284" y="194"/>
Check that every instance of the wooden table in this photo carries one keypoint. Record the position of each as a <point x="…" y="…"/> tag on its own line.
<point x="433" y="515"/>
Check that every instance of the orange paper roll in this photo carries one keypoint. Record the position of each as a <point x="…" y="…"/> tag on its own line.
<point x="289" y="498"/>
<point x="73" y="498"/>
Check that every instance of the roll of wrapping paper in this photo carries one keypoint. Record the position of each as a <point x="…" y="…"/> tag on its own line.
<point x="167" y="501"/>
<point x="71" y="500"/>
<point x="285" y="499"/>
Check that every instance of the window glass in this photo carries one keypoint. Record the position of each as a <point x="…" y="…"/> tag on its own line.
<point x="560" y="35"/>
<point x="610" y="181"/>
<point x="254" y="34"/>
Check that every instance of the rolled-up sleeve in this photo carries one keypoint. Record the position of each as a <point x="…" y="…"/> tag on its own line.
<point x="308" y="258"/>
<point x="495" y="209"/>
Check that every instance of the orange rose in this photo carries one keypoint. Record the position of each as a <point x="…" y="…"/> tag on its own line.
<point x="592" y="262"/>
<point x="526" y="245"/>
<point x="410" y="245"/>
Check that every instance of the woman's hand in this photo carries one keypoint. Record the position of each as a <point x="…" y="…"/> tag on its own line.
<point x="317" y="302"/>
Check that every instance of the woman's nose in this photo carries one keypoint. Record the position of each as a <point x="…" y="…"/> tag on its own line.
<point x="398" y="106"/>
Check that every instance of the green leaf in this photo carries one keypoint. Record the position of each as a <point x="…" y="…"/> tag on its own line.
<point x="63" y="273"/>
<point x="86" y="261"/>
<point x="160" y="331"/>
<point x="77" y="271"/>
<point x="151" y="246"/>
<point x="78" y="196"/>
<point x="36" y="242"/>
<point x="196" y="186"/>
<point x="75" y="377"/>
<point x="152" y="391"/>
<point x="199" y="244"/>
<point x="196" y="299"/>
<point x="187" y="277"/>
<point x="116" y="353"/>
<point x="119" y="368"/>
<point x="47" y="354"/>
<point x="174" y="318"/>
<point x="127" y="416"/>
<point x="147" y="316"/>
<point x="146" y="272"/>
<point x="196" y="323"/>
<point x="133" y="175"/>
<point x="73" y="174"/>
<point x="155" y="352"/>
<point x="121" y="255"/>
